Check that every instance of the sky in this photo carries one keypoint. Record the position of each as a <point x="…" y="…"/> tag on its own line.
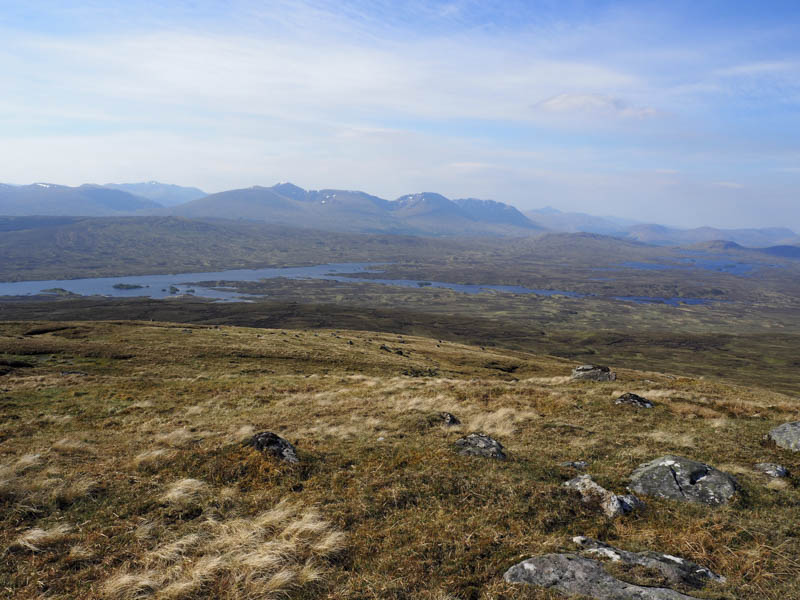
<point x="685" y="113"/>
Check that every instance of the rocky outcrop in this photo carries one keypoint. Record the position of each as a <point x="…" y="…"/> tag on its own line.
<point x="270" y="443"/>
<point x="786" y="436"/>
<point x="771" y="469"/>
<point x="593" y="373"/>
<point x="634" y="400"/>
<point x="479" y="444"/>
<point x="611" y="504"/>
<point x="572" y="574"/>
<point x="684" y="479"/>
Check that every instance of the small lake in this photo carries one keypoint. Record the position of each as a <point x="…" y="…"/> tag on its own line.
<point x="166" y="286"/>
<point x="171" y="286"/>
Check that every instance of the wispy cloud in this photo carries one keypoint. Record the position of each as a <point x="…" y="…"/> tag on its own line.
<point x="597" y="104"/>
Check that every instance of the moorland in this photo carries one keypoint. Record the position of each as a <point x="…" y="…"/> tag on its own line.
<point x="124" y="473"/>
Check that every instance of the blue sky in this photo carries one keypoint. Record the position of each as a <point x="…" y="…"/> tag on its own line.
<point x="684" y="113"/>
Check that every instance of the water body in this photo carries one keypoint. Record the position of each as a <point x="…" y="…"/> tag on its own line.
<point x="166" y="286"/>
<point x="669" y="301"/>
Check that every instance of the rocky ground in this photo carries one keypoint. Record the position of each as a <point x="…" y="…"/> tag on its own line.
<point x="144" y="460"/>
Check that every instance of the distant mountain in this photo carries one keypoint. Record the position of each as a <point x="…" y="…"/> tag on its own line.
<point x="491" y="211"/>
<point x="348" y="210"/>
<point x="753" y="238"/>
<point x="165" y="194"/>
<point x="577" y="222"/>
<point x="659" y="235"/>
<point x="57" y="200"/>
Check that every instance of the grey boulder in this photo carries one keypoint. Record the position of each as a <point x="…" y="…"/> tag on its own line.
<point x="479" y="444"/>
<point x="634" y="400"/>
<point x="572" y="574"/>
<point x="611" y="504"/>
<point x="593" y="373"/>
<point x="271" y="443"/>
<point x="684" y="479"/>
<point x="674" y="569"/>
<point x="771" y="469"/>
<point x="786" y="436"/>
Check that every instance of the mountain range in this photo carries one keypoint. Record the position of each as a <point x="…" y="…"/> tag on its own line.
<point x="424" y="213"/>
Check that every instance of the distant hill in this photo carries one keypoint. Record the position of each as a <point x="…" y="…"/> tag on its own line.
<point x="164" y="193"/>
<point x="660" y="235"/>
<point x="577" y="222"/>
<point x="753" y="238"/>
<point x="355" y="211"/>
<point x="57" y="200"/>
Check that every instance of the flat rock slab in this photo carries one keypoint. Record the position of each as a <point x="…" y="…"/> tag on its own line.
<point x="684" y="479"/>
<point x="611" y="504"/>
<point x="634" y="400"/>
<point x="479" y="444"/>
<point x="675" y="570"/>
<point x="271" y="443"/>
<point x="787" y="436"/>
<point x="771" y="469"/>
<point x="572" y="574"/>
<point x="593" y="373"/>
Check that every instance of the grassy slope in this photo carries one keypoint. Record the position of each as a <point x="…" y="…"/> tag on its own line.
<point x="419" y="520"/>
<point x="640" y="337"/>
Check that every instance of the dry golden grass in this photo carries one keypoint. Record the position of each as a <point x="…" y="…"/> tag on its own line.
<point x="167" y="502"/>
<point x="267" y="555"/>
<point x="36" y="540"/>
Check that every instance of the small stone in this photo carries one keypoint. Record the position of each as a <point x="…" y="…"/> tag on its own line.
<point x="634" y="400"/>
<point x="479" y="444"/>
<point x="772" y="469"/>
<point x="266" y="441"/>
<point x="575" y="464"/>
<point x="593" y="373"/>
<point x="684" y="479"/>
<point x="449" y="419"/>
<point x="611" y="504"/>
<point x="786" y="436"/>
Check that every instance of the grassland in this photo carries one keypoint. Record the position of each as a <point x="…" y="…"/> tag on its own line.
<point x="124" y="472"/>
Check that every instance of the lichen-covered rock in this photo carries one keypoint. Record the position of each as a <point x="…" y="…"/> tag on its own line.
<point x="572" y="574"/>
<point x="786" y="436"/>
<point x="611" y="504"/>
<point x="479" y="444"/>
<point x="635" y="400"/>
<point x="674" y="569"/>
<point x="266" y="441"/>
<point x="771" y="469"/>
<point x="684" y="479"/>
<point x="593" y="373"/>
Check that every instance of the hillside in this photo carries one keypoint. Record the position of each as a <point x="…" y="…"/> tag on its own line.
<point x="164" y="194"/>
<point x="86" y="200"/>
<point x="354" y="211"/>
<point x="125" y="475"/>
<point x="33" y="248"/>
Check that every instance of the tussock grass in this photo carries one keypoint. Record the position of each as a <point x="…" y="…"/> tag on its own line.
<point x="152" y="459"/>
<point x="186" y="492"/>
<point x="270" y="554"/>
<point x="36" y="540"/>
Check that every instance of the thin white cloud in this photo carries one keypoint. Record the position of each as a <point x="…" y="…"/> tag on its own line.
<point x="730" y="185"/>
<point x="594" y="104"/>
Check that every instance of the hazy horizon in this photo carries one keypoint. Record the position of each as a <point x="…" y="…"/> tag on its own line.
<point x="677" y="114"/>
